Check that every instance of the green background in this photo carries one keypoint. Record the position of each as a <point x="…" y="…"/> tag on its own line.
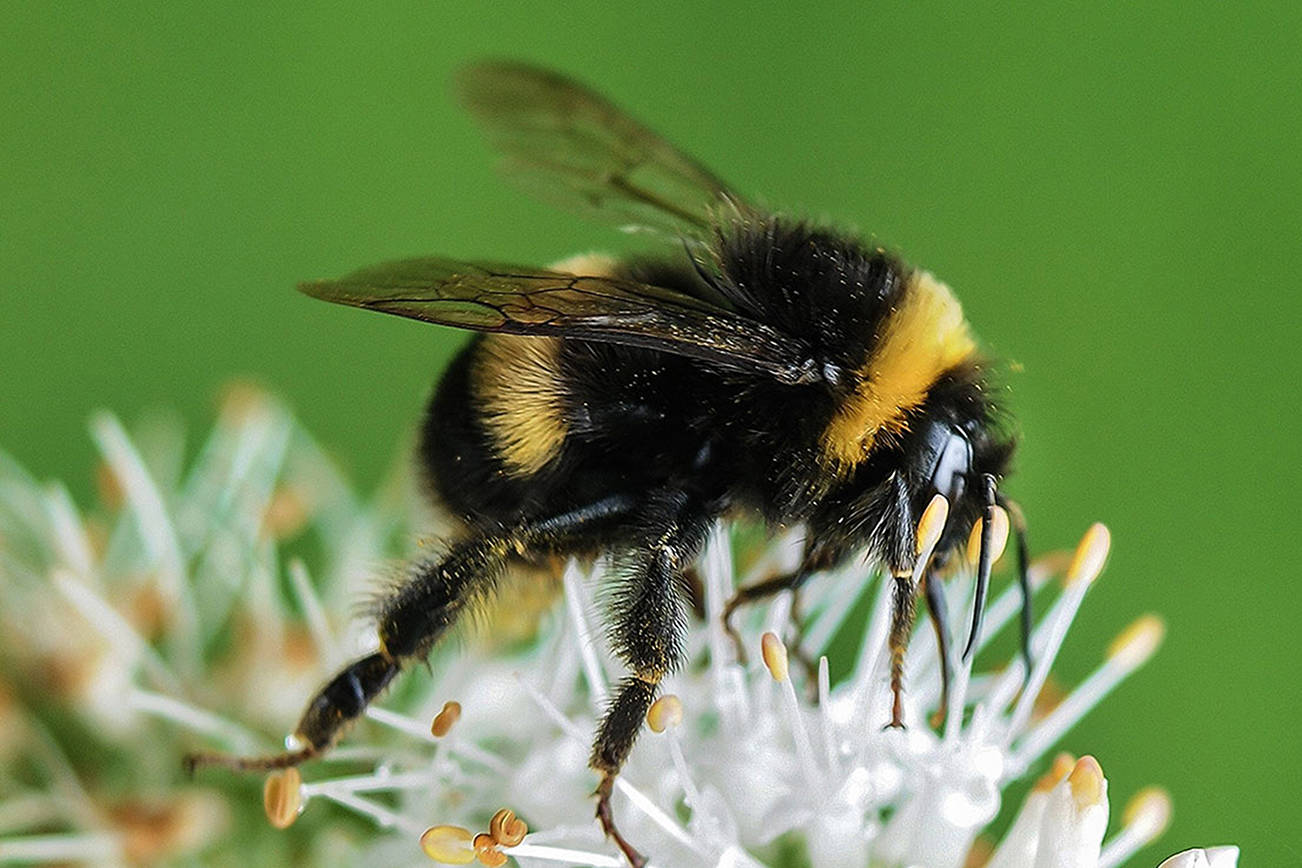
<point x="1113" y="190"/>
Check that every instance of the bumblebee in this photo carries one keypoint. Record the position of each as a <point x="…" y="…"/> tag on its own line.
<point x="764" y="366"/>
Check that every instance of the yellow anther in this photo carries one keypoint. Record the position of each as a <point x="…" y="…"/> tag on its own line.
<point x="1088" y="786"/>
<point x="1048" y="565"/>
<point x="450" y="845"/>
<point x="1050" y="697"/>
<point x="998" y="538"/>
<point x="665" y="713"/>
<point x="980" y="853"/>
<point x="285" y="515"/>
<point x="1063" y="763"/>
<point x="443" y="721"/>
<point x="282" y="797"/>
<point x="932" y="523"/>
<point x="1135" y="644"/>
<point x="1149" y="812"/>
<point x="492" y="858"/>
<point x="1091" y="554"/>
<point x="775" y="656"/>
<point x="483" y="841"/>
<point x="109" y="487"/>
<point x="506" y="828"/>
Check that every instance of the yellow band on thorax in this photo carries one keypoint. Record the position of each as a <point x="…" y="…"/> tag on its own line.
<point x="924" y="337"/>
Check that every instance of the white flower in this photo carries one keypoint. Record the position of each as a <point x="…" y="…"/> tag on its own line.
<point x="1212" y="857"/>
<point x="745" y="769"/>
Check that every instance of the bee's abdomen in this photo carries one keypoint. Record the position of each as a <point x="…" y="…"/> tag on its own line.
<point x="528" y="426"/>
<point x="520" y="395"/>
<point x="460" y="453"/>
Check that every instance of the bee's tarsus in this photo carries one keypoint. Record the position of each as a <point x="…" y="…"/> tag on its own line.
<point x="607" y="819"/>
<point x="903" y="610"/>
<point x="269" y="762"/>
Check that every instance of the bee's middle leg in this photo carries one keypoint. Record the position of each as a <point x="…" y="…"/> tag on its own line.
<point x="648" y="617"/>
<point x="760" y="591"/>
<point x="817" y="557"/>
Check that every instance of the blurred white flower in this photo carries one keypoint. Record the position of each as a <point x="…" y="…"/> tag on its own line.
<point x="1212" y="857"/>
<point x="172" y="622"/>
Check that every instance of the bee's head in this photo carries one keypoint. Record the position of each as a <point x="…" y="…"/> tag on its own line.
<point x="948" y="449"/>
<point x="953" y="458"/>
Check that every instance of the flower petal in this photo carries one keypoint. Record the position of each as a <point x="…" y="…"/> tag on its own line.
<point x="1211" y="857"/>
<point x="1075" y="818"/>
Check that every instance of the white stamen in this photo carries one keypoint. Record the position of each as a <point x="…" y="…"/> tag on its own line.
<point x="575" y="605"/>
<point x="1116" y="668"/>
<point x="873" y="649"/>
<point x="414" y="728"/>
<point x="958" y="696"/>
<point x="228" y="732"/>
<point x="1145" y="818"/>
<point x="70" y="539"/>
<point x="92" y="848"/>
<point x="314" y="613"/>
<point x="825" y="718"/>
<point x="384" y="817"/>
<point x="372" y="783"/>
<point x="157" y="533"/>
<point x="130" y="646"/>
<point x="731" y="698"/>
<point x="804" y="747"/>
<point x="836" y="603"/>
<point x="563" y="854"/>
<point x="1070" y="602"/>
<point x="644" y="804"/>
<point x="692" y="796"/>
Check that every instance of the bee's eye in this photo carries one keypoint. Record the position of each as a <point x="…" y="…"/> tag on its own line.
<point x="953" y="463"/>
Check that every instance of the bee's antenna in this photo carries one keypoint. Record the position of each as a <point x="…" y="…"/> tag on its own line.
<point x="984" y="561"/>
<point x="939" y="613"/>
<point x="1018" y="521"/>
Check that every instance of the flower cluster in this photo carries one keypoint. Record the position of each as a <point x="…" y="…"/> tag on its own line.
<point x="177" y="615"/>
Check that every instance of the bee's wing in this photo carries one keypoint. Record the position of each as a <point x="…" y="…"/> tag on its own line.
<point x="572" y="146"/>
<point x="491" y="297"/>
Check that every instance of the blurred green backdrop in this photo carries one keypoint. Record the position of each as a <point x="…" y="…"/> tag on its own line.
<point x="1114" y="190"/>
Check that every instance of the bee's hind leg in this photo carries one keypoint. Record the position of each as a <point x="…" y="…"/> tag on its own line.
<point x="413" y="618"/>
<point x="341" y="701"/>
<point x="410" y="621"/>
